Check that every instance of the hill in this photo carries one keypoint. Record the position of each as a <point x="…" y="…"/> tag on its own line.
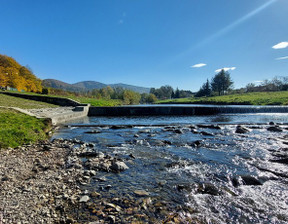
<point x="131" y="87"/>
<point x="89" y="85"/>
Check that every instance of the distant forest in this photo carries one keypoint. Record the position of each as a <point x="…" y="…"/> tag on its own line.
<point x="16" y="76"/>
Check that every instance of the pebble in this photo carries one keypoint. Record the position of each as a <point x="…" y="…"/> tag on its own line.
<point x="141" y="193"/>
<point x="84" y="199"/>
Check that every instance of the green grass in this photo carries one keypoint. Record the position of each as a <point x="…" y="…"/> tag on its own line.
<point x="81" y="99"/>
<point x="256" y="98"/>
<point x="11" y="101"/>
<point x="18" y="129"/>
<point x="97" y="102"/>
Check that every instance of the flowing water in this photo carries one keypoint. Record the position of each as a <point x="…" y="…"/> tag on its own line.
<point x="204" y="173"/>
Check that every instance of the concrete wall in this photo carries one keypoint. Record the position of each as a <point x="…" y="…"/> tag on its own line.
<point x="78" y="112"/>
<point x="180" y="110"/>
<point x="53" y="100"/>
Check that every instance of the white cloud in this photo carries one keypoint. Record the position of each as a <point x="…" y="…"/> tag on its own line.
<point x="257" y="82"/>
<point x="198" y="65"/>
<point x="281" y="45"/>
<point x="282" y="58"/>
<point x="225" y="69"/>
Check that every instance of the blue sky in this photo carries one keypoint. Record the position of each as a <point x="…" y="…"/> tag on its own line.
<point x="147" y="42"/>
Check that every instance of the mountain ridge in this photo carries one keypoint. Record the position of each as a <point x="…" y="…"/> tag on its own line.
<point x="85" y="86"/>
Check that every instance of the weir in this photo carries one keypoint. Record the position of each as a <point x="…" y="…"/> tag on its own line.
<point x="186" y="110"/>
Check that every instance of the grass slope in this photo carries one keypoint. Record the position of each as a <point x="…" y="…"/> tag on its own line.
<point x="18" y="129"/>
<point x="93" y="101"/>
<point x="11" y="101"/>
<point x="97" y="103"/>
<point x="256" y="98"/>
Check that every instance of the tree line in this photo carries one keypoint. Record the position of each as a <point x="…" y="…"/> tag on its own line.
<point x="276" y="84"/>
<point x="128" y="97"/>
<point x="16" y="76"/>
<point x="167" y="92"/>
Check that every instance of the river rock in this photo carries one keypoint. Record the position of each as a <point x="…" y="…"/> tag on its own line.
<point x="194" y="131"/>
<point x="84" y="199"/>
<point x="210" y="126"/>
<point x="206" y="133"/>
<point x="118" y="127"/>
<point x="209" y="189"/>
<point x="119" y="166"/>
<point x="275" y="129"/>
<point x="89" y="154"/>
<point x="241" y="130"/>
<point x="168" y="128"/>
<point x="283" y="161"/>
<point x="141" y="193"/>
<point x="178" y="131"/>
<point x="250" y="180"/>
<point x="145" y="131"/>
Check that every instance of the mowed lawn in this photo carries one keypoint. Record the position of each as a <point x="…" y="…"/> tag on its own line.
<point x="11" y="101"/>
<point x="17" y="128"/>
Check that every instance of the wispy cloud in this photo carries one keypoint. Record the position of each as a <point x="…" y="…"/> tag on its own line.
<point x="282" y="58"/>
<point x="225" y="69"/>
<point x="198" y="65"/>
<point x="281" y="45"/>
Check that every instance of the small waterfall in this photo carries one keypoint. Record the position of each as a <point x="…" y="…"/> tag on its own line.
<point x="187" y="110"/>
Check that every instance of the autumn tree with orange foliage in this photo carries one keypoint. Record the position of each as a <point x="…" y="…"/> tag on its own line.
<point x="14" y="75"/>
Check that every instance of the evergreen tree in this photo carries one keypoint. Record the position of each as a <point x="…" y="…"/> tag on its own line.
<point x="221" y="82"/>
<point x="205" y="90"/>
<point x="177" y="93"/>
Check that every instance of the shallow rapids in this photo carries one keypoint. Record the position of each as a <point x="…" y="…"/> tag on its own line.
<point x="197" y="167"/>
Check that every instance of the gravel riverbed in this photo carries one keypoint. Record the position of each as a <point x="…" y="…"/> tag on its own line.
<point x="45" y="183"/>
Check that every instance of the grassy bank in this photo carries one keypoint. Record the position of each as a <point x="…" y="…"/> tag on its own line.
<point x="11" y="101"/>
<point x="18" y="129"/>
<point x="97" y="102"/>
<point x="81" y="99"/>
<point x="255" y="98"/>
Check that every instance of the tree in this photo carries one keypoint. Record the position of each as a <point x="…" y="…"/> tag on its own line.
<point x="131" y="97"/>
<point x="205" y="90"/>
<point x="164" y="92"/>
<point x="16" y="76"/>
<point x="148" y="98"/>
<point x="177" y="93"/>
<point x="221" y="82"/>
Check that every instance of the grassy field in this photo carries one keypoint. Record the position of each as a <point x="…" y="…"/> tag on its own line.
<point x="10" y="101"/>
<point x="18" y="129"/>
<point x="97" y="103"/>
<point x="256" y="98"/>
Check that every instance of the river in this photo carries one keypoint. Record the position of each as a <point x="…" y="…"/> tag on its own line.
<point x="194" y="166"/>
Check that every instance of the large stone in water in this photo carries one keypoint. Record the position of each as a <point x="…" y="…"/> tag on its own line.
<point x="119" y="166"/>
<point x="241" y="130"/>
<point x="249" y="180"/>
<point x="274" y="129"/>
